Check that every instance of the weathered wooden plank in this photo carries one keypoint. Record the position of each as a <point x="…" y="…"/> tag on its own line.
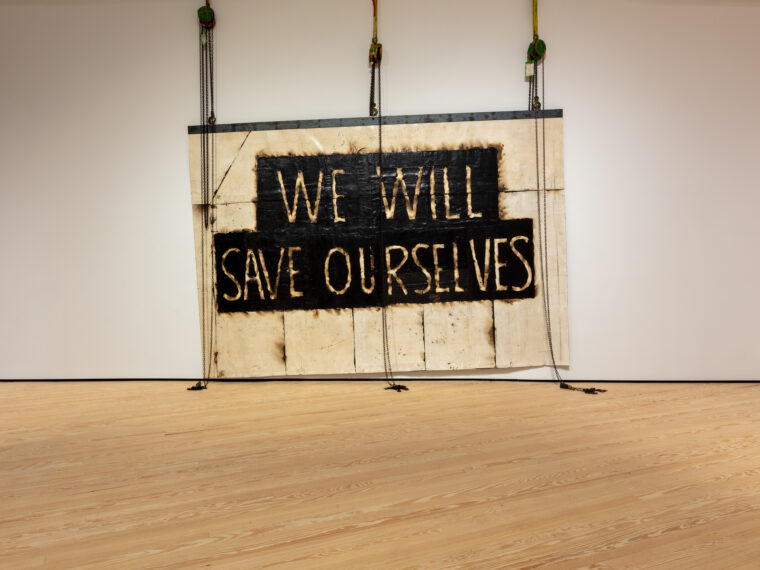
<point x="234" y="217"/>
<point x="520" y="154"/>
<point x="406" y="343"/>
<point x="204" y="269"/>
<point x="459" y="336"/>
<point x="556" y="239"/>
<point x="250" y="345"/>
<point x="521" y="333"/>
<point x="319" y="342"/>
<point x="228" y="152"/>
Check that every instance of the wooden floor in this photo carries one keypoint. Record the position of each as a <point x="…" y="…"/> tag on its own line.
<point x="348" y="475"/>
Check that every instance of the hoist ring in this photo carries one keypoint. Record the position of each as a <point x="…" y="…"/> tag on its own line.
<point x="375" y="53"/>
<point x="206" y="17"/>
<point x="536" y="49"/>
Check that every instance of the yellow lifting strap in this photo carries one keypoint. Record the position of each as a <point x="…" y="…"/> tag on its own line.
<point x="375" y="49"/>
<point x="374" y="27"/>
<point x="537" y="48"/>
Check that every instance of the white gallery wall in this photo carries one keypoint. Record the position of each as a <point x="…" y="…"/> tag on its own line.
<point x="662" y="147"/>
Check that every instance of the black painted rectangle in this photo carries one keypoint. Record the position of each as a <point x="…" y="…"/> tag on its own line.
<point x="342" y="194"/>
<point x="259" y="271"/>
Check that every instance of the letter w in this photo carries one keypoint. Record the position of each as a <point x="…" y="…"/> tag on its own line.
<point x="411" y="205"/>
<point x="313" y="211"/>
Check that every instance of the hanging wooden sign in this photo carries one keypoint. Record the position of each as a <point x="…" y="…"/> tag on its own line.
<point x="312" y="231"/>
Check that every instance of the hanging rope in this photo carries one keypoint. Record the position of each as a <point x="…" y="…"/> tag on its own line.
<point x="381" y="241"/>
<point x="375" y="57"/>
<point x="376" y="110"/>
<point x="207" y="22"/>
<point x="542" y="235"/>
<point x="536" y="53"/>
<point x="534" y="64"/>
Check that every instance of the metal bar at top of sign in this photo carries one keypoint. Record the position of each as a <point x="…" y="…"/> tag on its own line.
<point x="368" y="121"/>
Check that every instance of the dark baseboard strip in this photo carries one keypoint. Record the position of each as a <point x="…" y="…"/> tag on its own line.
<point x="409" y="379"/>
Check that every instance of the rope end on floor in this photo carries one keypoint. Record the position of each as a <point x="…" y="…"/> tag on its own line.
<point x="593" y="391"/>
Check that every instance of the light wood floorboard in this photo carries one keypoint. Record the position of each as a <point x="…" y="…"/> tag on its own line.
<point x="348" y="475"/>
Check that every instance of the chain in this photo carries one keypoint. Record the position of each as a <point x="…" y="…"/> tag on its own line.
<point x="204" y="191"/>
<point x="383" y="297"/>
<point x="536" y="52"/>
<point x="546" y="239"/>
<point x="534" y="102"/>
<point x="376" y="110"/>
<point x="208" y="179"/>
<point x="212" y="191"/>
<point x="531" y="84"/>
<point x="373" y="111"/>
<point x="212" y="115"/>
<point x="542" y="207"/>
